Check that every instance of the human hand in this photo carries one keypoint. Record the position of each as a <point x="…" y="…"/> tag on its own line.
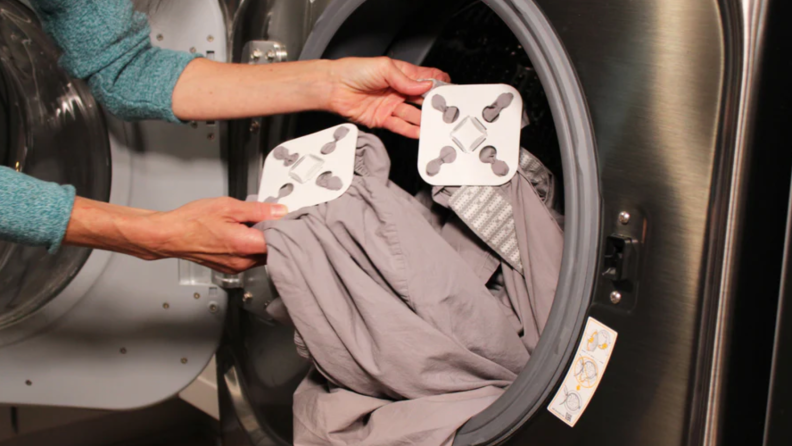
<point x="376" y="92"/>
<point x="211" y="232"/>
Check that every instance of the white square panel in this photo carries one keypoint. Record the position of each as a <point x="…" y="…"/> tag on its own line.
<point x="471" y="135"/>
<point x="307" y="181"/>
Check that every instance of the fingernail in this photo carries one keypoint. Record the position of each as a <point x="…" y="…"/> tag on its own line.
<point x="279" y="210"/>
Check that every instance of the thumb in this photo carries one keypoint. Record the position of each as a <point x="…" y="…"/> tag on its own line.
<point x="251" y="239"/>
<point x="403" y="84"/>
<point x="254" y="212"/>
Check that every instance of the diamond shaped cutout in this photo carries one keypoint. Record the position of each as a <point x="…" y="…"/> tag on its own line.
<point x="306" y="168"/>
<point x="469" y="134"/>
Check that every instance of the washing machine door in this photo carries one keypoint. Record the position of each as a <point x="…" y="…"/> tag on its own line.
<point x="53" y="130"/>
<point x="94" y="329"/>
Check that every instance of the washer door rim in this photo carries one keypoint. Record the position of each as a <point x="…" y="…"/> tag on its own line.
<point x="49" y="108"/>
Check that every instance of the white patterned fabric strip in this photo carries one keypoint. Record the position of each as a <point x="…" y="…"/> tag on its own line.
<point x="540" y="176"/>
<point x="491" y="217"/>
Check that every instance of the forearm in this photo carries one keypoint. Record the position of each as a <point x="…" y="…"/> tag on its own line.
<point x="209" y="90"/>
<point x="213" y="232"/>
<point x="100" y="225"/>
<point x="33" y="212"/>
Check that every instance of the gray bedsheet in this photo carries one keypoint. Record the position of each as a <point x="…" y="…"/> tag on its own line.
<point x="413" y="324"/>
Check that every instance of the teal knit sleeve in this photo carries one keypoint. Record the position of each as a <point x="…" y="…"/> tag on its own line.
<point x="33" y="212"/>
<point x="107" y="42"/>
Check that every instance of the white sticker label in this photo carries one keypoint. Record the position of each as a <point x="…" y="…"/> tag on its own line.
<point x="470" y="135"/>
<point x="585" y="373"/>
<point x="310" y="170"/>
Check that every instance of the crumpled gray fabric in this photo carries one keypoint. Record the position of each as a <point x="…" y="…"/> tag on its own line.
<point x="529" y="289"/>
<point x="392" y="304"/>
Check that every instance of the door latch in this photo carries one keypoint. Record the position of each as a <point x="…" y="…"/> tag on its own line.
<point x="620" y="258"/>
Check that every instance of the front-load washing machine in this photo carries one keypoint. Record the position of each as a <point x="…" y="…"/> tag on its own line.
<point x="652" y="115"/>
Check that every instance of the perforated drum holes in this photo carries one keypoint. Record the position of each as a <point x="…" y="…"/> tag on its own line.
<point x="310" y="170"/>
<point x="284" y="191"/>
<point x="447" y="156"/>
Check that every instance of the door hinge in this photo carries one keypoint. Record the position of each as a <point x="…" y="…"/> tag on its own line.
<point x="258" y="52"/>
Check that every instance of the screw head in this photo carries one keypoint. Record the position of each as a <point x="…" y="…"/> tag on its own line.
<point x="256" y="54"/>
<point x="213" y="307"/>
<point x="615" y="297"/>
<point x="184" y="360"/>
<point x="192" y="49"/>
<point x="197" y="295"/>
<point x="271" y="54"/>
<point x="194" y="125"/>
<point x="123" y="350"/>
<point x="166" y="305"/>
<point x="247" y="297"/>
<point x="624" y="218"/>
<point x="210" y="38"/>
<point x="160" y="37"/>
<point x="210" y="137"/>
<point x="29" y="382"/>
<point x="254" y="127"/>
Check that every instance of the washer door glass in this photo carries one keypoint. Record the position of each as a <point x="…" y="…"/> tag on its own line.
<point x="52" y="129"/>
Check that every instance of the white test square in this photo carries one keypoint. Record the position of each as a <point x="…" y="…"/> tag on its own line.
<point x="310" y="170"/>
<point x="470" y="135"/>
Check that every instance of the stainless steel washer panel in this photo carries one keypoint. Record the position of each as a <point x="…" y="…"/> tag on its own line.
<point x="655" y="77"/>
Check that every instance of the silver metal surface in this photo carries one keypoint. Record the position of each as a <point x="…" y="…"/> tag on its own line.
<point x="243" y="411"/>
<point x="227" y="281"/>
<point x="615" y="297"/>
<point x="658" y="76"/>
<point x="624" y="218"/>
<point x="287" y="24"/>
<point x="259" y="292"/>
<point x="258" y="52"/>
<point x="749" y="18"/>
